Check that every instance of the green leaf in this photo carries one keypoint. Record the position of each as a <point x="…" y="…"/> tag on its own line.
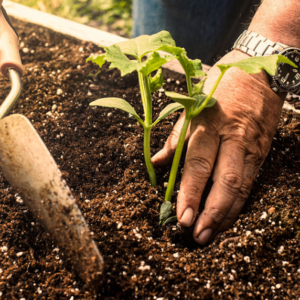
<point x="254" y="65"/>
<point x="138" y="47"/>
<point x="153" y="62"/>
<point x="119" y="60"/>
<point x="170" y="220"/>
<point x="184" y="100"/>
<point x="198" y="88"/>
<point x="167" y="111"/>
<point x="165" y="210"/>
<point x="144" y="44"/>
<point x="98" y="59"/>
<point x="117" y="103"/>
<point x="200" y="99"/>
<point x="172" y="49"/>
<point x="157" y="81"/>
<point x="192" y="68"/>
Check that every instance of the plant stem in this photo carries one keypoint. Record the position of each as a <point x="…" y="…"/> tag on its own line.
<point x="142" y="89"/>
<point x="202" y="106"/>
<point x="147" y="156"/>
<point x="147" y="105"/>
<point x="189" y="85"/>
<point x="148" y="98"/>
<point x="177" y="157"/>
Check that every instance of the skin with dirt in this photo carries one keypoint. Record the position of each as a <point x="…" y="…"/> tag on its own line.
<point x="100" y="153"/>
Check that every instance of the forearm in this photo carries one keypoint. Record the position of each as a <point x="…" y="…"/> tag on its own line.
<point x="279" y="21"/>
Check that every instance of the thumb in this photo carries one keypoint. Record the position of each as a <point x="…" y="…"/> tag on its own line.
<point x="165" y="156"/>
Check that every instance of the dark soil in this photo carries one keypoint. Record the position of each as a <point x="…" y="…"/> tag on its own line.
<point x="100" y="154"/>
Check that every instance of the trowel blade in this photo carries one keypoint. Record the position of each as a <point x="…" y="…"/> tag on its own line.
<point x="30" y="169"/>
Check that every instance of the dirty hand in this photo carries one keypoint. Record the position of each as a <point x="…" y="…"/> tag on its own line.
<point x="229" y="141"/>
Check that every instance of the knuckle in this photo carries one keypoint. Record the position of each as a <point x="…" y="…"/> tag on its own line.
<point x="245" y="191"/>
<point x="193" y="195"/>
<point x="172" y="140"/>
<point x="228" y="222"/>
<point x="216" y="215"/>
<point x="241" y="134"/>
<point x="231" y="181"/>
<point x="174" y="135"/>
<point x="199" y="167"/>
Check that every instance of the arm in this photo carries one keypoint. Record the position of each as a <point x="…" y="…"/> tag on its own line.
<point x="231" y="140"/>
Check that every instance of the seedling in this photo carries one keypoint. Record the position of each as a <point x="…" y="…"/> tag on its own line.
<point x="197" y="101"/>
<point x="144" y="58"/>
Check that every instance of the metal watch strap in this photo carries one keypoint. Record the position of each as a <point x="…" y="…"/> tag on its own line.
<point x="256" y="45"/>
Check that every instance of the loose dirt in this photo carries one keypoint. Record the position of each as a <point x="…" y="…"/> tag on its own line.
<point x="99" y="152"/>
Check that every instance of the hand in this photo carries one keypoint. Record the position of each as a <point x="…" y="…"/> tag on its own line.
<point x="229" y="141"/>
<point x="9" y="46"/>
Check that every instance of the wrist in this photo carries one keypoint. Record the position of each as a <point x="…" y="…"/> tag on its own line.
<point x="234" y="56"/>
<point x="278" y="21"/>
<point x="253" y="87"/>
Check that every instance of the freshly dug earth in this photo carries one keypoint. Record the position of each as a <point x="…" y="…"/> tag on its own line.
<point x="99" y="152"/>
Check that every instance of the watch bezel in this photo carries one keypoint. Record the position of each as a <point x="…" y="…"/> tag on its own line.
<point x="277" y="85"/>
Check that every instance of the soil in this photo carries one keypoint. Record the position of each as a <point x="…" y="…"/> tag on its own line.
<point x="99" y="152"/>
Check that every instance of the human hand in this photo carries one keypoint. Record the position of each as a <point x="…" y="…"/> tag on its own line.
<point x="229" y="141"/>
<point x="9" y="46"/>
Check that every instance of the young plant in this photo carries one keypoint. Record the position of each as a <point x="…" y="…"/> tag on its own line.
<point x="144" y="59"/>
<point x="197" y="101"/>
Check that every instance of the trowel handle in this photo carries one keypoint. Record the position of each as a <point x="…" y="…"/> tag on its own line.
<point x="9" y="46"/>
<point x="13" y="96"/>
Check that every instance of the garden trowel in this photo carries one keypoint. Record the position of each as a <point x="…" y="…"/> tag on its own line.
<point x="30" y="169"/>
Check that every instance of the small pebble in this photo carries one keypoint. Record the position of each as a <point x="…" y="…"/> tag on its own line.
<point x="280" y="250"/>
<point x="144" y="268"/>
<point x="3" y="249"/>
<point x="247" y="259"/>
<point x="165" y="184"/>
<point x="59" y="92"/>
<point x="54" y="107"/>
<point x="264" y="215"/>
<point x="271" y="210"/>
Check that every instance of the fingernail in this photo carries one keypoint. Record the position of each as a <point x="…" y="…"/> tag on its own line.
<point x="187" y="217"/>
<point x="204" y="236"/>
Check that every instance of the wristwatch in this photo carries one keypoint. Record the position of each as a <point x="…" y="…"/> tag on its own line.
<point x="287" y="78"/>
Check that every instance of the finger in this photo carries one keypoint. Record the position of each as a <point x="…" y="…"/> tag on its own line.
<point x="202" y="151"/>
<point x="165" y="156"/>
<point x="250" y="173"/>
<point x="227" y="179"/>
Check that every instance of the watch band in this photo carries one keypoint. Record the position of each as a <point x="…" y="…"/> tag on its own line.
<point x="255" y="44"/>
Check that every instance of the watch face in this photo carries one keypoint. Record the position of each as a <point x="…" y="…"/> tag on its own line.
<point x="288" y="77"/>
